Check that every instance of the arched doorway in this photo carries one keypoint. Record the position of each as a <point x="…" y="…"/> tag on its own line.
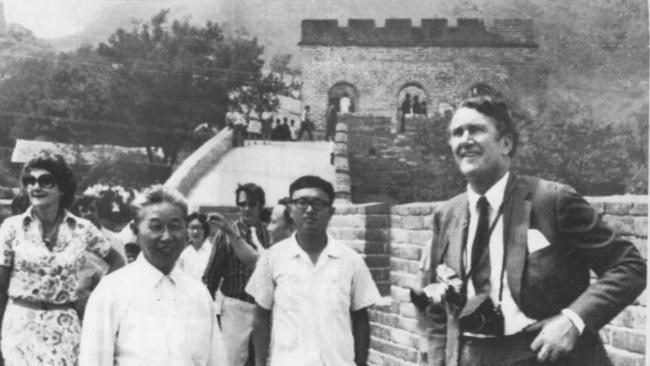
<point x="344" y="96"/>
<point x="412" y="102"/>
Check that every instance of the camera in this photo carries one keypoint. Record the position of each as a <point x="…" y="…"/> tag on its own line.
<point x="480" y="315"/>
<point x="452" y="285"/>
<point x="455" y="292"/>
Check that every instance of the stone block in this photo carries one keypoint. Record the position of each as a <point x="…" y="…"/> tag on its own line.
<point x="632" y="317"/>
<point x="380" y="331"/>
<point x="407" y="310"/>
<point x="624" y="358"/>
<point x="404" y="338"/>
<point x="405" y="251"/>
<point x="413" y="222"/>
<point x="377" y="261"/>
<point x="404" y="265"/>
<point x="641" y="226"/>
<point x="624" y="225"/>
<point x="627" y="339"/>
<point x="618" y="208"/>
<point x="408" y="324"/>
<point x="377" y="221"/>
<point x="403" y="279"/>
<point x="378" y="235"/>
<point x="420" y="237"/>
<point x="639" y="209"/>
<point x="400" y="294"/>
<point x="376" y="247"/>
<point x="380" y="274"/>
<point x="396" y="351"/>
<point x="400" y="236"/>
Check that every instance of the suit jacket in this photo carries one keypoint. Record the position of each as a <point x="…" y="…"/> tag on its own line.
<point x="548" y="280"/>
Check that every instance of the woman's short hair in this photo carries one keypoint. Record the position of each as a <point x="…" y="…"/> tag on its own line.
<point x="203" y="220"/>
<point x="157" y="194"/>
<point x="56" y="165"/>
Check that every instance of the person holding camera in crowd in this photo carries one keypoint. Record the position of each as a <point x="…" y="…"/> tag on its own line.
<point x="510" y="259"/>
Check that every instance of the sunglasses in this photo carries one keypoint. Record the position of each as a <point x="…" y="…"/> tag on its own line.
<point x="249" y="204"/>
<point x="44" y="181"/>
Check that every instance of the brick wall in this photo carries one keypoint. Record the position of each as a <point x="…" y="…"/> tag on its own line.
<point x="396" y="235"/>
<point x="444" y="73"/>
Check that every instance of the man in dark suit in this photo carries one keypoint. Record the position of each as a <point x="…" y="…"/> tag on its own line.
<point x="522" y="249"/>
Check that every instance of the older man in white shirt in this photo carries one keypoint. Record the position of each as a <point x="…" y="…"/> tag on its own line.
<point x="151" y="313"/>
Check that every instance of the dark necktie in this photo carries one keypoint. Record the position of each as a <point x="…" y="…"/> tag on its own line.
<point x="480" y="248"/>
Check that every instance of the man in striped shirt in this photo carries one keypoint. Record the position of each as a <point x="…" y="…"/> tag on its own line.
<point x="235" y="251"/>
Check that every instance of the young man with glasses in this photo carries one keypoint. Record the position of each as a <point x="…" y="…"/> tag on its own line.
<point x="235" y="251"/>
<point x="316" y="288"/>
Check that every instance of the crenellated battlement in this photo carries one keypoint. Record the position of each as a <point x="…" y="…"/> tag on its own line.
<point x="468" y="32"/>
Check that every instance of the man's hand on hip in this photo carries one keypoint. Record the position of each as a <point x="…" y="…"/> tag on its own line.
<point x="557" y="337"/>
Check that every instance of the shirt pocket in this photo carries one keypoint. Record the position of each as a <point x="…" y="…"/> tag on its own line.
<point x="288" y="292"/>
<point x="338" y="295"/>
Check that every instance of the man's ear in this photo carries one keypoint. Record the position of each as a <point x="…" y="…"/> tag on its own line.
<point x="508" y="144"/>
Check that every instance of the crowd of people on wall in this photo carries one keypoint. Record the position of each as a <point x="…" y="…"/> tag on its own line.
<point x="506" y="279"/>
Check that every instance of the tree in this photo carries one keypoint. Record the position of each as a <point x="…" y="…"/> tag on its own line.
<point x="173" y="77"/>
<point x="150" y="86"/>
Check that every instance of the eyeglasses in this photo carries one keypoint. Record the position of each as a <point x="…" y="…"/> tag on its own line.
<point x="316" y="203"/>
<point x="44" y="181"/>
<point x="249" y="204"/>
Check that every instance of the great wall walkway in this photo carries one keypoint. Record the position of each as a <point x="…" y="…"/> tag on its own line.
<point x="210" y="176"/>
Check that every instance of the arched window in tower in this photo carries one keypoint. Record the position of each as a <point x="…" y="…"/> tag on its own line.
<point x="344" y="96"/>
<point x="412" y="103"/>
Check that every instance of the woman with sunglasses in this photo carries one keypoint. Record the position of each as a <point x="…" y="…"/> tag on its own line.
<point x="41" y="254"/>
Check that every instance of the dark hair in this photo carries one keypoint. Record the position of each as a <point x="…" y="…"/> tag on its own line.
<point x="84" y="201"/>
<point x="63" y="175"/>
<point x="312" y="181"/>
<point x="132" y="248"/>
<point x="287" y="215"/>
<point x="497" y="109"/>
<point x="203" y="220"/>
<point x="253" y="192"/>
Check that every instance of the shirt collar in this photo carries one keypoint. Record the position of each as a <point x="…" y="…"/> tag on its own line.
<point x="28" y="216"/>
<point x="151" y="275"/>
<point x="332" y="248"/>
<point x="494" y="195"/>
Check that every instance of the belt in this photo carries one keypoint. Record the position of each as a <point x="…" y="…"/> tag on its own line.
<point x="41" y="305"/>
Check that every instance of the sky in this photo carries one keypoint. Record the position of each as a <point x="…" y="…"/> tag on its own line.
<point x="52" y="18"/>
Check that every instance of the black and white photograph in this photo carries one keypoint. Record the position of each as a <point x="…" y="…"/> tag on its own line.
<point x="324" y="183"/>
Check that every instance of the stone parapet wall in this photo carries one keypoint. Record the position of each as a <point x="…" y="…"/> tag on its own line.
<point x="468" y="32"/>
<point x="400" y="232"/>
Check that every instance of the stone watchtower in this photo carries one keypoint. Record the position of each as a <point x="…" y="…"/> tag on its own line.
<point x="374" y="64"/>
<point x="436" y="64"/>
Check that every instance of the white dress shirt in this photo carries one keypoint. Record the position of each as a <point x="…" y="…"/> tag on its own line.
<point x="193" y="261"/>
<point x="311" y="303"/>
<point x="515" y="319"/>
<point x="137" y="316"/>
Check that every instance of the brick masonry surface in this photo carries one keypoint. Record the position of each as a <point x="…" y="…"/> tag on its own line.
<point x="392" y="238"/>
<point x="378" y="74"/>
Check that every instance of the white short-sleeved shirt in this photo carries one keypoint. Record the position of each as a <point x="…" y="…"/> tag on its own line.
<point x="139" y="316"/>
<point x="193" y="262"/>
<point x="311" y="304"/>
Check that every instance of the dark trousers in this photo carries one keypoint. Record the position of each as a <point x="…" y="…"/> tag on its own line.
<point x="306" y="126"/>
<point x="515" y="350"/>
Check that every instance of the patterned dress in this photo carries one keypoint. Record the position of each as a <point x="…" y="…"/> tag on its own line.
<point x="32" y="336"/>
